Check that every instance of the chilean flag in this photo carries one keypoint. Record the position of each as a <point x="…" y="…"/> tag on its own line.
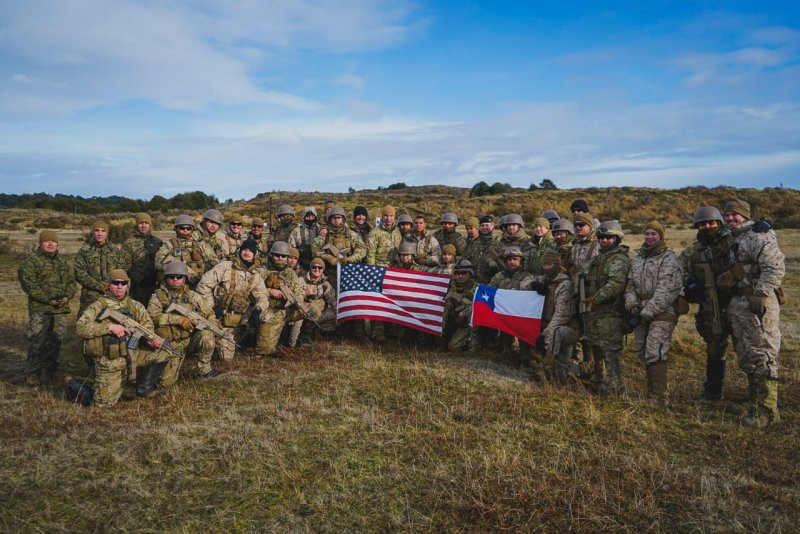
<point x="515" y="312"/>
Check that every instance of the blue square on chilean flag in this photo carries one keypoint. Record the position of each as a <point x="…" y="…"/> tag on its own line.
<point x="514" y="312"/>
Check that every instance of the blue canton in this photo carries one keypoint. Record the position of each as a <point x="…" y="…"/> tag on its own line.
<point x="360" y="277"/>
<point x="485" y="294"/>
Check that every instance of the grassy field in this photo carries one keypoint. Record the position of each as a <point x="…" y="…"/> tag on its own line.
<point x="371" y="438"/>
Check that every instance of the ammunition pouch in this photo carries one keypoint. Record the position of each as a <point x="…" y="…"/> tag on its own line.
<point x="231" y="320"/>
<point x="172" y="332"/>
<point x="196" y="256"/>
<point x="93" y="347"/>
<point x="730" y="277"/>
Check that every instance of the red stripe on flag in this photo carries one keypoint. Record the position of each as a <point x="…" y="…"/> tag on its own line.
<point x="524" y="328"/>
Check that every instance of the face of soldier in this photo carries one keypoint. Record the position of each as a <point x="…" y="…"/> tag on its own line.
<point x="562" y="238"/>
<point x="292" y="261"/>
<point x="235" y="228"/>
<point x="461" y="276"/>
<point x="406" y="258"/>
<point x="733" y="219"/>
<point x="448" y="227"/>
<point x="175" y="281"/>
<point x="487" y="228"/>
<point x="511" y="229"/>
<point x="448" y="258"/>
<point x="49" y="246"/>
<point x="323" y="231"/>
<point x="279" y="259"/>
<point x="210" y="226"/>
<point x="285" y="219"/>
<point x="582" y="229"/>
<point x="143" y="227"/>
<point x="606" y="242"/>
<point x="315" y="271"/>
<point x="310" y="219"/>
<point x="387" y="220"/>
<point x="540" y="230"/>
<point x="183" y="231"/>
<point x="247" y="255"/>
<point x="472" y="232"/>
<point x="651" y="237"/>
<point x="360" y="219"/>
<point x="419" y="225"/>
<point x="118" y="288"/>
<point x="100" y="235"/>
<point x="708" y="228"/>
<point x="551" y="269"/>
<point x="336" y="221"/>
<point x="513" y="263"/>
<point x="404" y="228"/>
<point x="257" y="230"/>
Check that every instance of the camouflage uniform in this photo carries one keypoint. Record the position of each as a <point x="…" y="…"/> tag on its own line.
<point x="364" y="231"/>
<point x="654" y="283"/>
<point x="452" y="238"/>
<point x="231" y="288"/>
<point x="199" y="343"/>
<point x="109" y="352"/>
<point x="92" y="265"/>
<point x="198" y="255"/>
<point x="283" y="231"/>
<point x="559" y="328"/>
<point x="518" y="280"/>
<point x="347" y="241"/>
<point x="139" y="253"/>
<point x="231" y="242"/>
<point x="321" y="305"/>
<point x="382" y="247"/>
<point x="537" y="246"/>
<point x="215" y="242"/>
<point x="429" y="253"/>
<point x="274" y="275"/>
<point x="49" y="283"/>
<point x="499" y="245"/>
<point x="302" y="237"/>
<point x="484" y="255"/>
<point x="457" y="333"/>
<point x="606" y="278"/>
<point x="583" y="250"/>
<point x="263" y="243"/>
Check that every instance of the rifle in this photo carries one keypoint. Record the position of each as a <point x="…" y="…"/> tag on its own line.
<point x="713" y="298"/>
<point x="334" y="251"/>
<point x="269" y="219"/>
<point x="586" y="346"/>
<point x="137" y="332"/>
<point x="201" y="323"/>
<point x="305" y="311"/>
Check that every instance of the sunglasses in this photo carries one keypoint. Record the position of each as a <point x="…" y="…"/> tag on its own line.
<point x="279" y="256"/>
<point x="185" y="228"/>
<point x="317" y="269"/>
<point x="236" y="224"/>
<point x="580" y="225"/>
<point x="174" y="276"/>
<point x="605" y="237"/>
<point x="119" y="282"/>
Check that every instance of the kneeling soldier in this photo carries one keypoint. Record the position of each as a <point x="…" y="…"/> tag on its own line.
<point x="278" y="277"/>
<point x="108" y="343"/>
<point x="179" y="330"/>
<point x="457" y="333"/>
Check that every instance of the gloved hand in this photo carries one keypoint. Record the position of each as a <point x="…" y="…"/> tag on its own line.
<point x="646" y="319"/>
<point x="331" y="259"/>
<point x="763" y="226"/>
<point x="636" y="309"/>
<point x="694" y="291"/>
<point x="540" y="347"/>
<point x="344" y="260"/>
<point x="633" y="321"/>
<point x="185" y="324"/>
<point x="758" y="304"/>
<point x="539" y="287"/>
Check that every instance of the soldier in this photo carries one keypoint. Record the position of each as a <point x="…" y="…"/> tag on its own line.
<point x="457" y="335"/>
<point x="382" y="250"/>
<point x="343" y="241"/>
<point x="584" y="245"/>
<point x="49" y="283"/>
<point x="559" y="328"/>
<point x="471" y="226"/>
<point x="563" y="231"/>
<point x="208" y="232"/>
<point x="404" y="224"/>
<point x="233" y="237"/>
<point x="485" y="258"/>
<point x="406" y="257"/>
<point x="654" y="284"/>
<point x="320" y="298"/>
<point x="177" y="329"/>
<point x="93" y="263"/>
<point x="277" y="276"/>
<point x="754" y="309"/>
<point x="235" y="290"/>
<point x="106" y="342"/>
<point x="428" y="249"/>
<point x="447" y="235"/>
<point x="606" y="277"/>
<point x="541" y="242"/>
<point x="198" y="255"/>
<point x="703" y="261"/>
<point x="258" y="235"/>
<point x="551" y="216"/>
<point x="447" y="262"/>
<point x="294" y="262"/>
<point x="304" y="235"/>
<point x="579" y="206"/>
<point x="286" y="224"/>
<point x="139" y="253"/>
<point x="361" y="224"/>
<point x="513" y="276"/>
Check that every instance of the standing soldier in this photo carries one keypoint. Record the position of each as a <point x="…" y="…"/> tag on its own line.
<point x="106" y="342"/>
<point x="471" y="241"/>
<point x="93" y="263"/>
<point x="541" y="242"/>
<point x="447" y="235"/>
<point x="139" y="252"/>
<point x="703" y="261"/>
<point x="514" y="277"/>
<point x="563" y="232"/>
<point x="286" y="224"/>
<point x="261" y="238"/>
<point x="304" y="235"/>
<point x="404" y="224"/>
<point x="584" y="245"/>
<point x="754" y="310"/>
<point x="182" y="335"/>
<point x="651" y="294"/>
<point x="485" y="258"/>
<point x="382" y="250"/>
<point x="606" y="278"/>
<point x="232" y="289"/>
<point x="49" y="283"/>
<point x="340" y="246"/>
<point x="361" y="224"/>
<point x="514" y="234"/>
<point x="234" y="236"/>
<point x="428" y="249"/>
<point x="457" y="334"/>
<point x="208" y="232"/>
<point x="551" y="216"/>
<point x="197" y="255"/>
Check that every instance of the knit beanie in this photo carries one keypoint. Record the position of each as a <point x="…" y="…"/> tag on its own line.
<point x="738" y="206"/>
<point x="48" y="235"/>
<point x="658" y="227"/>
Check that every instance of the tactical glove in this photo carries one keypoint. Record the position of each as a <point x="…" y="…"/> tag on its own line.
<point x="633" y="321"/>
<point x="758" y="305"/>
<point x="763" y="226"/>
<point x="539" y="287"/>
<point x="646" y="319"/>
<point x="185" y="324"/>
<point x="636" y="309"/>
<point x="694" y="291"/>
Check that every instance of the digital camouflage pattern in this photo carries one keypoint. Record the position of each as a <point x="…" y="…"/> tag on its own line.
<point x="231" y="242"/>
<point x="301" y="238"/>
<point x="457" y="333"/>
<point x="429" y="252"/>
<point x="92" y="264"/>
<point x="364" y="231"/>
<point x="283" y="231"/>
<point x="583" y="250"/>
<point x="485" y="257"/>
<point x="216" y="243"/>
<point x="346" y="241"/>
<point x="558" y="328"/>
<point x="139" y="253"/>
<point x="263" y="243"/>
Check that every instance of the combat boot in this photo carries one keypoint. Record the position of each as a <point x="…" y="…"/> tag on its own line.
<point x="657" y="382"/>
<point x="715" y="375"/>
<point x="147" y="381"/>
<point x="748" y="406"/>
<point x="79" y="392"/>
<point x="765" y="412"/>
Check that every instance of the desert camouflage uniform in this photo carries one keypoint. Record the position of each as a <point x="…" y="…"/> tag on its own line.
<point x="230" y="288"/>
<point x="321" y="305"/>
<point x="382" y="247"/>
<point x="301" y="238"/>
<point x="47" y="280"/>
<point x="606" y="278"/>
<point x="92" y="265"/>
<point x="283" y="231"/>
<point x="443" y="268"/>
<point x="198" y="256"/>
<point x="199" y="343"/>
<point x="429" y="253"/>
<point x="274" y="275"/>
<point x="347" y="241"/>
<point x="457" y="333"/>
<point x="231" y="242"/>
<point x="559" y="328"/>
<point x="452" y="238"/>
<point x="139" y="253"/>
<point x="109" y="352"/>
<point x="565" y="251"/>
<point x="716" y="253"/>
<point x="263" y="243"/>
<point x="537" y="246"/>
<point x="216" y="243"/>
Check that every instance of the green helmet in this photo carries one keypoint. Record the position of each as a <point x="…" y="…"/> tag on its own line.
<point x="213" y="216"/>
<point x="449" y="217"/>
<point x="184" y="220"/>
<point x="610" y="228"/>
<point x="281" y="247"/>
<point x="707" y="213"/>
<point x="513" y="251"/>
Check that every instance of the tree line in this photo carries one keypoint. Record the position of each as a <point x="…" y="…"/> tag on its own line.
<point x="195" y="200"/>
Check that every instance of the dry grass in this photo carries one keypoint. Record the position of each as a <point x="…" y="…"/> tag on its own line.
<point x="370" y="439"/>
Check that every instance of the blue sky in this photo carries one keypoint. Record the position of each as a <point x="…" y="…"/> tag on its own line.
<point x="142" y="98"/>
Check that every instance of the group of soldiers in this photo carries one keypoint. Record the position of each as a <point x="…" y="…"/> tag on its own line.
<point x="210" y="291"/>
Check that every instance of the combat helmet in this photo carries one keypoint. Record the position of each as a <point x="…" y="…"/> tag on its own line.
<point x="337" y="210"/>
<point x="176" y="268"/>
<point x="406" y="247"/>
<point x="610" y="228"/>
<point x="184" y="220"/>
<point x="213" y="216"/>
<point x="405" y="218"/>
<point x="563" y="225"/>
<point x="463" y="266"/>
<point x="513" y="251"/>
<point x="707" y="213"/>
<point x="281" y="247"/>
<point x="285" y="209"/>
<point x="512" y="218"/>
<point x="449" y="217"/>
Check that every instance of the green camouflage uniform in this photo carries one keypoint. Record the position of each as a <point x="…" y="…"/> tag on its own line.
<point x="429" y="253"/>
<point x="198" y="256"/>
<point x="278" y="316"/>
<point x="109" y="352"/>
<point x="263" y="243"/>
<point x="485" y="258"/>
<point x="559" y="328"/>
<point x="92" y="265"/>
<point x="583" y="250"/>
<point x="347" y="241"/>
<point x="216" y="243"/>
<point x="47" y="280"/>
<point x="139" y="252"/>
<point x="301" y="238"/>
<point x="537" y="246"/>
<point x="606" y="278"/>
<point x="199" y="343"/>
<point x="364" y="231"/>
<point x="457" y="334"/>
<point x="283" y="231"/>
<point x="499" y="245"/>
<point x="452" y="238"/>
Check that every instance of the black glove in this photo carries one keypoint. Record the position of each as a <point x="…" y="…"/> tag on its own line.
<point x="540" y="344"/>
<point x="539" y="287"/>
<point x="694" y="291"/>
<point x="633" y="321"/>
<point x="763" y="226"/>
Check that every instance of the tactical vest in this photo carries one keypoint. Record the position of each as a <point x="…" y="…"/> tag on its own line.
<point x="597" y="277"/>
<point x="171" y="332"/>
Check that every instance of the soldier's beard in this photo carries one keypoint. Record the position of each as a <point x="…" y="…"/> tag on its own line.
<point x="708" y="234"/>
<point x="552" y="273"/>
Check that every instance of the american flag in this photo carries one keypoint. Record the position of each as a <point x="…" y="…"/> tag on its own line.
<point x="411" y="298"/>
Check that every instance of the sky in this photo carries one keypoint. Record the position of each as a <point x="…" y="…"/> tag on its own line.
<point x="143" y="98"/>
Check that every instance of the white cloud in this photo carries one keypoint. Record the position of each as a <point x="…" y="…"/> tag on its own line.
<point x="351" y="80"/>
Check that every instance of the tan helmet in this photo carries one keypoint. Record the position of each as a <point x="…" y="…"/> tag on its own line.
<point x="513" y="251"/>
<point x="563" y="225"/>
<point x="184" y="220"/>
<point x="610" y="228"/>
<point x="235" y="217"/>
<point x="405" y="218"/>
<point x="463" y="266"/>
<point x="337" y="210"/>
<point x="213" y="216"/>
<point x="176" y="268"/>
<point x="406" y="247"/>
<point x="512" y="218"/>
<point x="449" y="217"/>
<point x="285" y="209"/>
<point x="707" y="213"/>
<point x="281" y="247"/>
